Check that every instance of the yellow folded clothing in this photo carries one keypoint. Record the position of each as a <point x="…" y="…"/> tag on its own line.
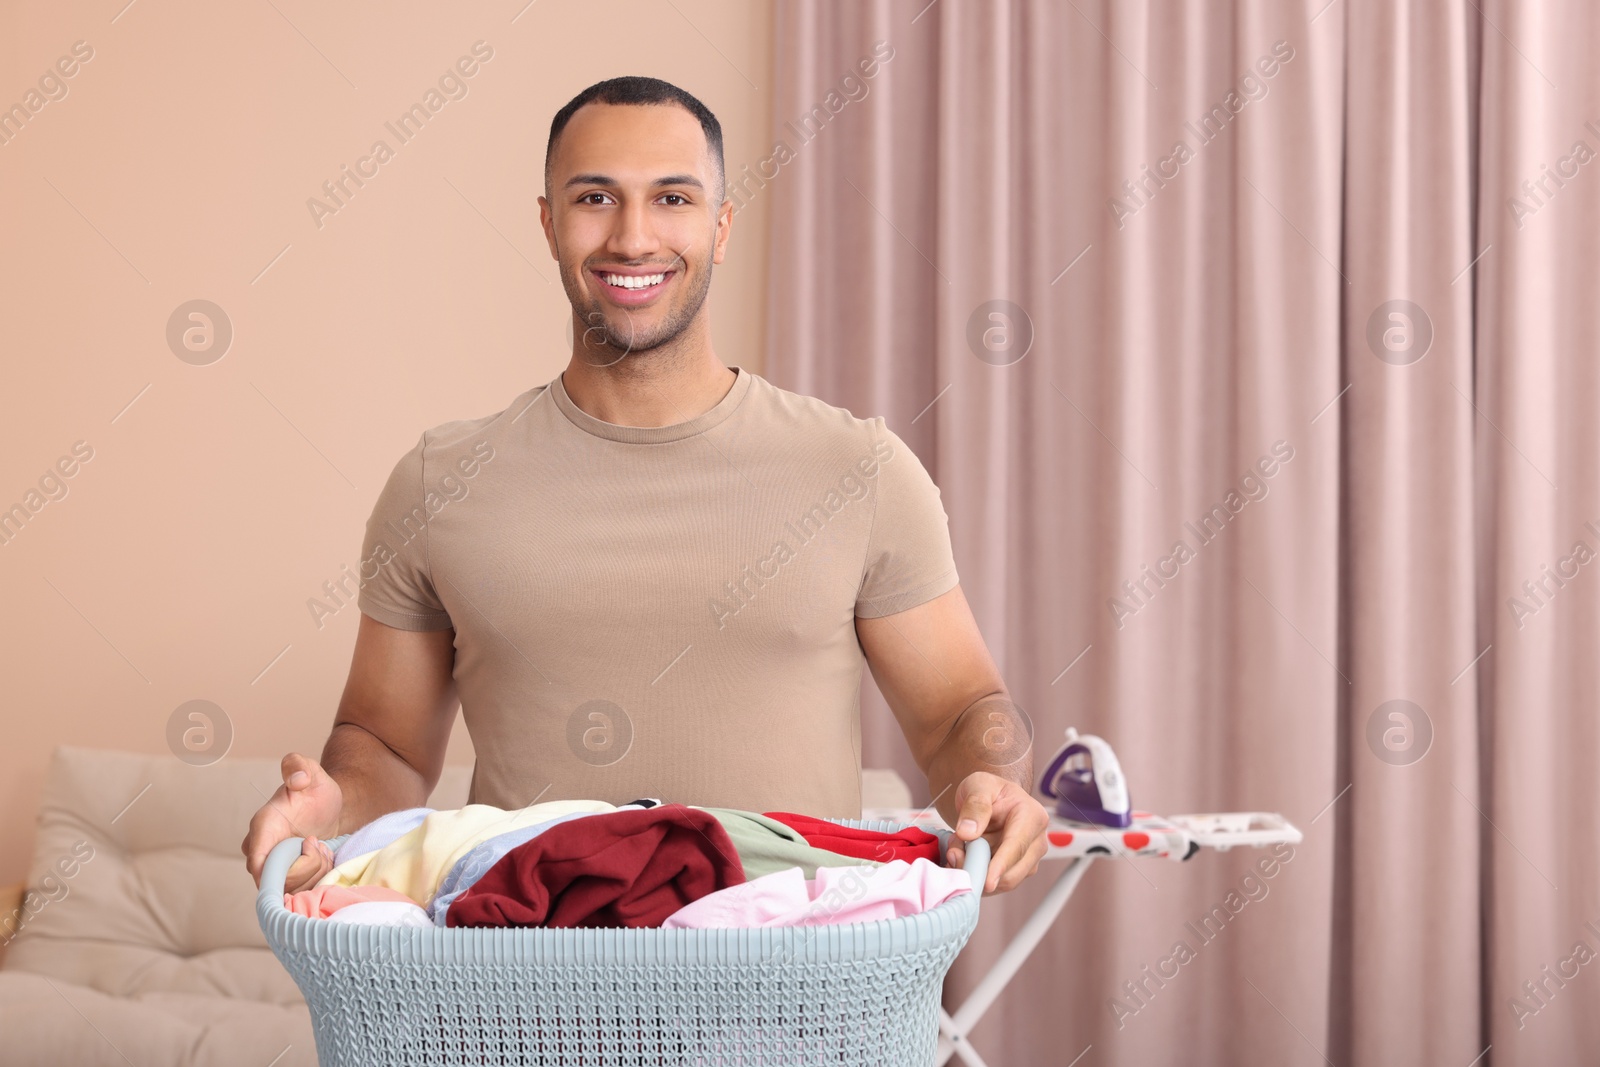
<point x="416" y="862"/>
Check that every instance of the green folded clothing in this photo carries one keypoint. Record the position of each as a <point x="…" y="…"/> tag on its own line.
<point x="767" y="845"/>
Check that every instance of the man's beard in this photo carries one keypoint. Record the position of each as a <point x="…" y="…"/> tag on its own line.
<point x="614" y="334"/>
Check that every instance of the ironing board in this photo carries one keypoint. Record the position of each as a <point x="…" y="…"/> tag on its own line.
<point x="1177" y="838"/>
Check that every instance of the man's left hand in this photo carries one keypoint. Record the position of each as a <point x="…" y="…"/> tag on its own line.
<point x="1013" y="821"/>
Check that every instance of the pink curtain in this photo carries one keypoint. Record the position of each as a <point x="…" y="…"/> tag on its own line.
<point x="1253" y="349"/>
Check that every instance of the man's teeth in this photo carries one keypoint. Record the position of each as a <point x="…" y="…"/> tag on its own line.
<point x="634" y="281"/>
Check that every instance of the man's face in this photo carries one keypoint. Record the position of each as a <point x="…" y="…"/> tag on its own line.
<point x="632" y="219"/>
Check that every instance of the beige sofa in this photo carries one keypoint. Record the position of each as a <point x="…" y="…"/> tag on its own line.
<point x="140" y="944"/>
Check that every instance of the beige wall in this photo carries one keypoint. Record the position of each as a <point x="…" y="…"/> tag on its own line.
<point x="177" y="166"/>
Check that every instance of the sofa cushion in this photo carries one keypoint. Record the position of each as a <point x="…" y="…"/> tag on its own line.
<point x="46" y="1023"/>
<point x="138" y="886"/>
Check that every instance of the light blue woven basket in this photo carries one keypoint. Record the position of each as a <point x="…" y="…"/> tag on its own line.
<point x="857" y="994"/>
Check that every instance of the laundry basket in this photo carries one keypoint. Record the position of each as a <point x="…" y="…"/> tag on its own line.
<point x="857" y="994"/>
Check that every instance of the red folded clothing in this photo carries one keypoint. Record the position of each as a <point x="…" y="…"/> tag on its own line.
<point x="617" y="868"/>
<point x="907" y="844"/>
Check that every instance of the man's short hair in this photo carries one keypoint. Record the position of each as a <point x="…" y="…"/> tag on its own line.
<point x="646" y="91"/>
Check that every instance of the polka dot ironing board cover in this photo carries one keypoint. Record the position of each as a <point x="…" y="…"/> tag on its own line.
<point x="1177" y="837"/>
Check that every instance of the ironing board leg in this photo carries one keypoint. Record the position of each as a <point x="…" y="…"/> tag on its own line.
<point x="955" y="1044"/>
<point x="957" y="1026"/>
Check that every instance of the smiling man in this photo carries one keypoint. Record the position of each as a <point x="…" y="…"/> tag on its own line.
<point x="658" y="575"/>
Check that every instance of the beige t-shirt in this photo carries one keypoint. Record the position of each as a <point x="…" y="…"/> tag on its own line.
<point x="659" y="611"/>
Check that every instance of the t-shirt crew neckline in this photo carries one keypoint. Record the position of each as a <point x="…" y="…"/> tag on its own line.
<point x="652" y="435"/>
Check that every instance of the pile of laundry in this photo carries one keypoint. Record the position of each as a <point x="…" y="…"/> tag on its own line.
<point x="586" y="863"/>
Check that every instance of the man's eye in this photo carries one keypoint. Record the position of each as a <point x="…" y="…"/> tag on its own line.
<point x="589" y="198"/>
<point x="675" y="196"/>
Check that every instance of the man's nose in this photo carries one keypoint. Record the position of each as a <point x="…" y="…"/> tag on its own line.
<point x="634" y="236"/>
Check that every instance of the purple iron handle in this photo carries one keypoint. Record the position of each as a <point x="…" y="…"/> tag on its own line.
<point x="1074" y="780"/>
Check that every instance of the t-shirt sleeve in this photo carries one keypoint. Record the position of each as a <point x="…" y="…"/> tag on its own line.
<point x="909" y="559"/>
<point x="396" y="579"/>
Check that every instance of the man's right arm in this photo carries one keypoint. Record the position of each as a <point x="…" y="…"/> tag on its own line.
<point x="385" y="753"/>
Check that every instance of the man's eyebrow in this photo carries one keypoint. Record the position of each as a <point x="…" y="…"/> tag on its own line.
<point x="611" y="183"/>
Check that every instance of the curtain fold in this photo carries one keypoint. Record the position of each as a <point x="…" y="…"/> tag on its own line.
<point x="1252" y="348"/>
<point x="1538" y="517"/>
<point x="1407" y="904"/>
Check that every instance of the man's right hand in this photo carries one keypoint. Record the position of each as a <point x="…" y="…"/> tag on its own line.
<point x="306" y="805"/>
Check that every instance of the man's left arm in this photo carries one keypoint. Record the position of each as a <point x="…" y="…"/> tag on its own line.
<point x="966" y="735"/>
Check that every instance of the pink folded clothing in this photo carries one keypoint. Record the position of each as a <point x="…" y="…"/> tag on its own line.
<point x="384" y="913"/>
<point x="836" y="895"/>
<point x="322" y="901"/>
<point x="882" y="846"/>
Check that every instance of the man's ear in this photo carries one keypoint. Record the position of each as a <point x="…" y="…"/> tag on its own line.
<point x="724" y="229"/>
<point x="547" y="222"/>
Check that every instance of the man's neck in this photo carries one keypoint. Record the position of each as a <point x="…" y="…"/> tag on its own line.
<point x="648" y="389"/>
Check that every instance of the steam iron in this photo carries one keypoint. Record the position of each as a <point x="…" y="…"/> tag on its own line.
<point x="1085" y="780"/>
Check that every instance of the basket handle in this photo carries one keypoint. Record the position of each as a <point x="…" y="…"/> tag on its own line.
<point x="276" y="869"/>
<point x="975" y="862"/>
